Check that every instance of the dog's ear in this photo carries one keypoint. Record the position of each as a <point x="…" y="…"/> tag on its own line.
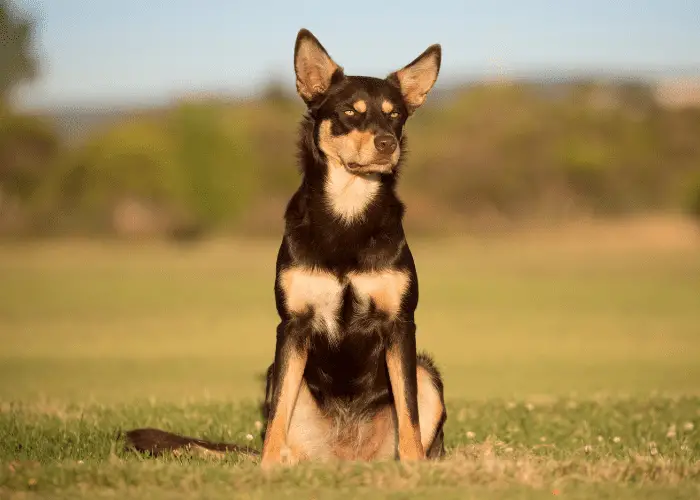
<point x="314" y="68"/>
<point x="417" y="78"/>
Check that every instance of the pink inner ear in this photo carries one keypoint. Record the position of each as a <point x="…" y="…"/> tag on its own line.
<point x="314" y="70"/>
<point x="417" y="80"/>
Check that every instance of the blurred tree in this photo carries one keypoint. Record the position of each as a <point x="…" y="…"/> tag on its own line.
<point x="17" y="63"/>
<point x="693" y="202"/>
<point x="185" y="166"/>
<point x="213" y="164"/>
<point x="275" y="92"/>
<point x="27" y="146"/>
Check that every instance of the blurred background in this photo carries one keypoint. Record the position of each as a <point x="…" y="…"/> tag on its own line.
<point x="553" y="189"/>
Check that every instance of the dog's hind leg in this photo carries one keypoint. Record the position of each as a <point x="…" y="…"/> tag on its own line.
<point x="431" y="414"/>
<point x="309" y="435"/>
<point x="431" y="407"/>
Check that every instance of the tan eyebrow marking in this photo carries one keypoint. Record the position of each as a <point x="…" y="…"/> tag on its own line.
<point x="387" y="107"/>
<point x="360" y="106"/>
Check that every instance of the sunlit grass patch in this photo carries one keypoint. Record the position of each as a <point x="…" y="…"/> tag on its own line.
<point x="563" y="444"/>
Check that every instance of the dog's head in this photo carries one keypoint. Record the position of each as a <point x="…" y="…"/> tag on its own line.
<point x="359" y="120"/>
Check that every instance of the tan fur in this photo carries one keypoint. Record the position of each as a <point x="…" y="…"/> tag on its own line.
<point x="309" y="289"/>
<point x="417" y="80"/>
<point x="356" y="147"/>
<point x="387" y="106"/>
<point x="315" y="436"/>
<point x="410" y="445"/>
<point x="276" y="434"/>
<point x="381" y="444"/>
<point x="309" y="430"/>
<point x="385" y="288"/>
<point x="314" y="70"/>
<point x="360" y="106"/>
<point x="365" y="439"/>
<point x="430" y="407"/>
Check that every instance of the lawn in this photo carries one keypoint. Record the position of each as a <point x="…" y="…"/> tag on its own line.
<point x="571" y="362"/>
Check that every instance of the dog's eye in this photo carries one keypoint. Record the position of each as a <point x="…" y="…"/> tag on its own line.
<point x="394" y="114"/>
<point x="349" y="112"/>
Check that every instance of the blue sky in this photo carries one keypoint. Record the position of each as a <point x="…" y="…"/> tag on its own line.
<point x="109" y="53"/>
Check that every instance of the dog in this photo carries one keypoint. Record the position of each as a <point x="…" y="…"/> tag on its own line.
<point x="346" y="382"/>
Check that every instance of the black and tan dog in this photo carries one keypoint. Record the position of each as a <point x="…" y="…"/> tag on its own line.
<point x="346" y="382"/>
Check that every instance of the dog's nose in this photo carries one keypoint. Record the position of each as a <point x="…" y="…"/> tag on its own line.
<point x="385" y="144"/>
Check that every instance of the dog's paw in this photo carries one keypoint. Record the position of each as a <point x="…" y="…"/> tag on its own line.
<point x="283" y="458"/>
<point x="411" y="454"/>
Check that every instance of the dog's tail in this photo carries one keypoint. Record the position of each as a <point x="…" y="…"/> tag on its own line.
<point x="156" y="442"/>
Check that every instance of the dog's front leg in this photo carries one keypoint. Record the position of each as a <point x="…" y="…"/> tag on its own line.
<point x="288" y="371"/>
<point x="401" y="364"/>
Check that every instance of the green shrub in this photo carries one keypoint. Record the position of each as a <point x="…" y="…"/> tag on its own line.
<point x="694" y="202"/>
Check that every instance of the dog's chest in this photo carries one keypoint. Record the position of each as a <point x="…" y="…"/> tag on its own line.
<point x="348" y="195"/>
<point x="324" y="294"/>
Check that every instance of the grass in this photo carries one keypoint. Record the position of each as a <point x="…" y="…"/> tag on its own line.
<point x="552" y="345"/>
<point x="564" y="445"/>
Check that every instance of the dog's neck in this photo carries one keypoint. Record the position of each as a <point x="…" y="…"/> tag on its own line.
<point x="349" y="195"/>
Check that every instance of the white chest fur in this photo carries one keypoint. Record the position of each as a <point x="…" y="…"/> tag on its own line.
<point x="322" y="293"/>
<point x="349" y="195"/>
<point x="318" y="291"/>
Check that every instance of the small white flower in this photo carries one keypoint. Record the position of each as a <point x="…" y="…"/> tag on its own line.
<point x="530" y="407"/>
<point x="688" y="426"/>
<point x="258" y="425"/>
<point x="471" y="435"/>
<point x="511" y="405"/>
<point x="588" y="448"/>
<point x="616" y="439"/>
<point x="80" y="462"/>
<point x="671" y="433"/>
<point x="508" y="450"/>
<point x="249" y="437"/>
<point x="600" y="439"/>
<point x="653" y="452"/>
<point x="543" y="439"/>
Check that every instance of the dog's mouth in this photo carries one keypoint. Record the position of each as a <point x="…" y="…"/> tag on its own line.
<point x="380" y="167"/>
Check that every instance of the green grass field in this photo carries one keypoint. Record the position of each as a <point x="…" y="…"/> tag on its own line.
<point x="571" y="363"/>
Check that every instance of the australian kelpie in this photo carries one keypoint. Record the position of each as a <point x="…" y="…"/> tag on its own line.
<point x="346" y="382"/>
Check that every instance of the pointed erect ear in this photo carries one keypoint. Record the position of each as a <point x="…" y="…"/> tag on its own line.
<point x="313" y="66"/>
<point x="417" y="78"/>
